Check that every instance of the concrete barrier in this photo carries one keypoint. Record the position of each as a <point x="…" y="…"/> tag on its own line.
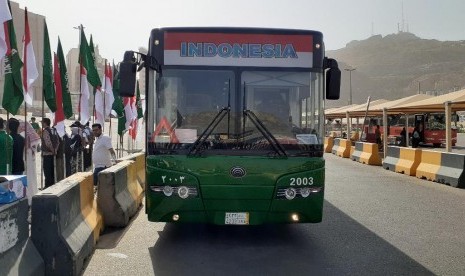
<point x="66" y="224"/>
<point x="370" y="155"/>
<point x="344" y="148"/>
<point x="119" y="193"/>
<point x="358" y="149"/>
<point x="329" y="143"/>
<point x="392" y="158"/>
<point x="429" y="165"/>
<point x="452" y="170"/>
<point x="409" y="160"/>
<point x="18" y="255"/>
<point x="335" y="147"/>
<point x="139" y="159"/>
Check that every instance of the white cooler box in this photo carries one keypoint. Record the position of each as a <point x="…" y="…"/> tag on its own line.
<point x="12" y="188"/>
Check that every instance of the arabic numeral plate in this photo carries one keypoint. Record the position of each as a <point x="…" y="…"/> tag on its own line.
<point x="236" y="218"/>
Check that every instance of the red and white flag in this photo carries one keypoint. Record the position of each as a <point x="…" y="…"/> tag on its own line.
<point x="133" y="129"/>
<point x="59" y="121"/>
<point x="128" y="112"/>
<point x="109" y="98"/>
<point x="104" y="98"/>
<point x="5" y="16"/>
<point x="99" y="106"/>
<point x="30" y="72"/>
<point x="84" y="97"/>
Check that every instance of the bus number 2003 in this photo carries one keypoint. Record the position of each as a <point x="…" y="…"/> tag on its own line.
<point x="301" y="181"/>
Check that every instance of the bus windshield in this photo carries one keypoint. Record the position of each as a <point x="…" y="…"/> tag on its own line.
<point x="250" y="112"/>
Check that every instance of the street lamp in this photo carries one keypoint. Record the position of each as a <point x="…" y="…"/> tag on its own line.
<point x="350" y="82"/>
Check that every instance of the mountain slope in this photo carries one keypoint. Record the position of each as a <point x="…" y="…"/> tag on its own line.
<point x="399" y="65"/>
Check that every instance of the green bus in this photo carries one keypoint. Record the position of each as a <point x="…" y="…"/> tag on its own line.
<point x="235" y="124"/>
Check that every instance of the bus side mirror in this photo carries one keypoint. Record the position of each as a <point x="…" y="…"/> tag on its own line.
<point x="127" y="73"/>
<point x="333" y="79"/>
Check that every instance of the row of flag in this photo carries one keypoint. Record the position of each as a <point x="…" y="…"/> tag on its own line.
<point x="20" y="74"/>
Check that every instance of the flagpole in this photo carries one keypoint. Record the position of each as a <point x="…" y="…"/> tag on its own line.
<point x="41" y="132"/>
<point x="104" y="96"/>
<point x="25" y="136"/>
<point x="80" y="62"/>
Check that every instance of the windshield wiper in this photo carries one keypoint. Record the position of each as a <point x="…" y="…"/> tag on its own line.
<point x="266" y="133"/>
<point x="206" y="133"/>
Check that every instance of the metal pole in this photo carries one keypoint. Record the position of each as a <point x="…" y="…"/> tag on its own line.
<point x="350" y="82"/>
<point x="448" y="111"/>
<point x="385" y="131"/>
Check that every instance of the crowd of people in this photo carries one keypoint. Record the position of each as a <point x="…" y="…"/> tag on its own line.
<point x="62" y="155"/>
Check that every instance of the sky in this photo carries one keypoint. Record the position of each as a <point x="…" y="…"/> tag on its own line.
<point x="117" y="26"/>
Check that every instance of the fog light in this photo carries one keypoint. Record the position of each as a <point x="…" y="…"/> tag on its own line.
<point x="295" y="217"/>
<point x="290" y="193"/>
<point x="183" y="192"/>
<point x="175" y="217"/>
<point x="304" y="192"/>
<point x="168" y="190"/>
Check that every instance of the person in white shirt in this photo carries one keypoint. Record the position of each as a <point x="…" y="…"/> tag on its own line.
<point x="103" y="154"/>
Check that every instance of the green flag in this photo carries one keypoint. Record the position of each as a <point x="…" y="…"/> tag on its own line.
<point x="47" y="72"/>
<point x="87" y="60"/>
<point x="140" y="113"/>
<point x="91" y="47"/>
<point x="118" y="103"/>
<point x="13" y="88"/>
<point x="67" y="105"/>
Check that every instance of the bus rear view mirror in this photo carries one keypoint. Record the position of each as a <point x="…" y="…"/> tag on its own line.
<point x="333" y="79"/>
<point x="127" y="73"/>
<point x="333" y="83"/>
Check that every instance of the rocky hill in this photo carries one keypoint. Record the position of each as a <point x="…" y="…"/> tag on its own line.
<point x="399" y="65"/>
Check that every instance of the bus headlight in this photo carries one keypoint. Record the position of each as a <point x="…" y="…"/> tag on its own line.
<point x="304" y="192"/>
<point x="167" y="190"/>
<point x="290" y="193"/>
<point x="297" y="192"/>
<point x="183" y="192"/>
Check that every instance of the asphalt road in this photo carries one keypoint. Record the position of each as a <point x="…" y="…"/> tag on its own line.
<point x="376" y="222"/>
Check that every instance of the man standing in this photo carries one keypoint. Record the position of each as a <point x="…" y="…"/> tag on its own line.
<point x="18" y="147"/>
<point x="88" y="142"/>
<point x="103" y="154"/>
<point x="35" y="125"/>
<point x="6" y="150"/>
<point x="48" y="152"/>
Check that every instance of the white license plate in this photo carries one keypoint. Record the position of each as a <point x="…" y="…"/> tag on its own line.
<point x="236" y="218"/>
